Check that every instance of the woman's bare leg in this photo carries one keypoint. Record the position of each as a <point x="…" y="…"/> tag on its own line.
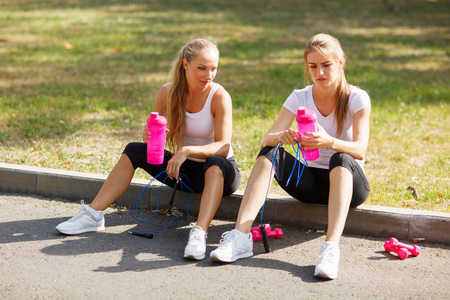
<point x="211" y="197"/>
<point x="115" y="185"/>
<point x="341" y="191"/>
<point x="255" y="194"/>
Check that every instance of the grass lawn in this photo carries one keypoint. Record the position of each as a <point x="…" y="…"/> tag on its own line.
<point x="78" y="79"/>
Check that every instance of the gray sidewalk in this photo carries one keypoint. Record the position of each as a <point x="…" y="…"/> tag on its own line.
<point x="377" y="221"/>
<point x="36" y="262"/>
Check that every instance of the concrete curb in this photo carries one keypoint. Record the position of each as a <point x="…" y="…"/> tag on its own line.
<point x="404" y="224"/>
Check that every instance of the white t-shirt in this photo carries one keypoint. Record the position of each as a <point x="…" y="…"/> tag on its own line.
<point x="200" y="125"/>
<point x="359" y="99"/>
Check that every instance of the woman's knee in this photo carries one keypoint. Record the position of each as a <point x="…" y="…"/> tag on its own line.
<point x="135" y="148"/>
<point x="266" y="151"/>
<point x="342" y="160"/>
<point x="214" y="170"/>
<point x="136" y="152"/>
<point x="216" y="164"/>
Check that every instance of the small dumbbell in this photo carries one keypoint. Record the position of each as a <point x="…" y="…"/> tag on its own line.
<point x="401" y="252"/>
<point x="276" y="233"/>
<point x="414" y="249"/>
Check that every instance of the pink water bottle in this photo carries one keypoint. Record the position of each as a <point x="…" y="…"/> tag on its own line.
<point x="157" y="139"/>
<point x="307" y="122"/>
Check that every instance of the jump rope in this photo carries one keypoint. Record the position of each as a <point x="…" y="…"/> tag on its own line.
<point x="184" y="204"/>
<point x="278" y="169"/>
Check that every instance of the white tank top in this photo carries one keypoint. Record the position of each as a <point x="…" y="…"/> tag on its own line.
<point x="200" y="125"/>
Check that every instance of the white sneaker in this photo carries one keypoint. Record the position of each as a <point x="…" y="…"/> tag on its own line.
<point x="196" y="246"/>
<point x="328" y="264"/>
<point x="82" y="222"/>
<point x="234" y="245"/>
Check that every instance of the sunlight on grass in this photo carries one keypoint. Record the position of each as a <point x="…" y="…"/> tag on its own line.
<point x="78" y="79"/>
<point x="400" y="31"/>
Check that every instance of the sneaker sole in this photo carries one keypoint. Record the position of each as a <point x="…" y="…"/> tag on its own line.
<point x="326" y="276"/>
<point x="80" y="231"/>
<point x="194" y="257"/>
<point x="232" y="259"/>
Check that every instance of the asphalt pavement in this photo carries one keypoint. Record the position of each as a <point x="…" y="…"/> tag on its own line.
<point x="36" y="262"/>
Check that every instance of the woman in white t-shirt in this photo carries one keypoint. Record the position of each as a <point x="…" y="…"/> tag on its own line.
<point x="336" y="178"/>
<point x="199" y="116"/>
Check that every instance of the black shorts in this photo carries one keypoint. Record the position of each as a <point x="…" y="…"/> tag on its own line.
<point x="193" y="170"/>
<point x="314" y="184"/>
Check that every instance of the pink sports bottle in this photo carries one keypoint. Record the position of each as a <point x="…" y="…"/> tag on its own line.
<point x="157" y="139"/>
<point x="307" y="122"/>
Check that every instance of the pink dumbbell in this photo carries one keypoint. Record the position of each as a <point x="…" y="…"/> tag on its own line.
<point x="256" y="233"/>
<point x="401" y="249"/>
<point x="414" y="249"/>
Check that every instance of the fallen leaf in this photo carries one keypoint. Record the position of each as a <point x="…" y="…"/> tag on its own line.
<point x="417" y="240"/>
<point x="163" y="211"/>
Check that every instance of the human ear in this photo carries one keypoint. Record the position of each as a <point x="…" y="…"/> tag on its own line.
<point x="185" y="64"/>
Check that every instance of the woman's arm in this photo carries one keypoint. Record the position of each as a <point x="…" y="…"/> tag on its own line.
<point x="280" y="130"/>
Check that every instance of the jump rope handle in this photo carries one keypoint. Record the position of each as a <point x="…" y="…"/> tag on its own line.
<point x="280" y="164"/>
<point x="264" y="238"/>
<point x="146" y="235"/>
<point x="174" y="191"/>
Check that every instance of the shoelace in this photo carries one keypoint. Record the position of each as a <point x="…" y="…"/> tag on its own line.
<point x="196" y="236"/>
<point x="81" y="213"/>
<point x="226" y="237"/>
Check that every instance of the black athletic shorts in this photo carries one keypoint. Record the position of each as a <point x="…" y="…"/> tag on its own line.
<point x="314" y="184"/>
<point x="193" y="170"/>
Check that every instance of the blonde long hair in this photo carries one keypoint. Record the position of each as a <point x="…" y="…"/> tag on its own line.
<point x="175" y="104"/>
<point x="331" y="47"/>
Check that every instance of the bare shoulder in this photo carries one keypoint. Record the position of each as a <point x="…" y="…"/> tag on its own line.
<point x="163" y="90"/>
<point x="221" y="97"/>
<point x="161" y="98"/>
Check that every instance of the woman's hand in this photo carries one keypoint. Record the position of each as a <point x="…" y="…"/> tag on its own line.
<point x="174" y="164"/>
<point x="287" y="137"/>
<point x="319" y="139"/>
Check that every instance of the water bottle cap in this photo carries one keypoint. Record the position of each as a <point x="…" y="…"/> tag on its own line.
<point x="305" y="115"/>
<point x="301" y="110"/>
<point x="156" y="119"/>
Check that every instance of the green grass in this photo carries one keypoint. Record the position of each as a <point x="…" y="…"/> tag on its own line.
<point x="78" y="79"/>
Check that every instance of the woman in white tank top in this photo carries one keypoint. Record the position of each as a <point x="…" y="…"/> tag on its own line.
<point x="199" y="115"/>
<point x="336" y="178"/>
